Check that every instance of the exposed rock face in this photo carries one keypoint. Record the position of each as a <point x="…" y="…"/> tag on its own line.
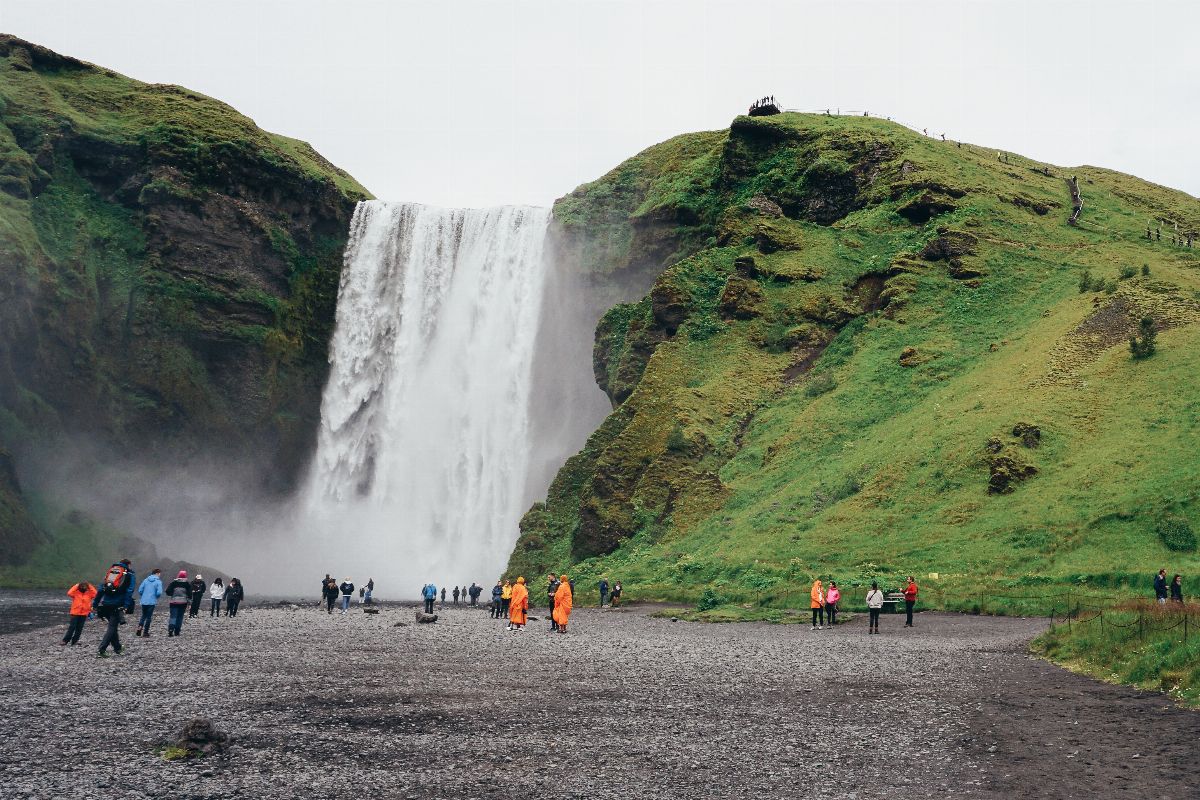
<point x="169" y="271"/>
<point x="18" y="535"/>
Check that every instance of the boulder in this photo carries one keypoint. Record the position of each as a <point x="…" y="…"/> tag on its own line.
<point x="425" y="619"/>
<point x="1030" y="435"/>
<point x="201" y="737"/>
<point x="764" y="205"/>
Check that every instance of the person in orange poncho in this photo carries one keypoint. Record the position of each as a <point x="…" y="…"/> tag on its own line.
<point x="818" y="605"/>
<point x="562" y="604"/>
<point x="518" y="605"/>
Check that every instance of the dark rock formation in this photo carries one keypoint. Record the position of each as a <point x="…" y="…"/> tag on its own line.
<point x="1030" y="435"/>
<point x="200" y="737"/>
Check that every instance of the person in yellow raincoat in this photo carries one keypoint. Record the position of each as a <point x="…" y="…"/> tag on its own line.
<point x="505" y="598"/>
<point x="518" y="606"/>
<point x="818" y="605"/>
<point x="562" y="604"/>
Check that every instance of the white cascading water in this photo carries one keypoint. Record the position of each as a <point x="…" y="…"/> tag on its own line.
<point x="424" y="446"/>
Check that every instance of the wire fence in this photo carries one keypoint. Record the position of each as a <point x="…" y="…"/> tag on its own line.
<point x="1144" y="619"/>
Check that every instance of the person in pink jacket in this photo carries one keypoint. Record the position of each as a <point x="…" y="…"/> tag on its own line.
<point x="831" y="600"/>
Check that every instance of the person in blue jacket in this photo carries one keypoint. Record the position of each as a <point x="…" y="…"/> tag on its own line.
<point x="430" y="594"/>
<point x="497" y="602"/>
<point x="113" y="600"/>
<point x="148" y="594"/>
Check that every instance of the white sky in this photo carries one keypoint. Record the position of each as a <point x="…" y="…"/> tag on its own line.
<point x="483" y="102"/>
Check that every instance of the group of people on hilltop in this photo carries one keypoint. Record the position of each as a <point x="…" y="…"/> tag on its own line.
<point x="1163" y="588"/>
<point x="824" y="603"/>
<point x="332" y="592"/>
<point x="118" y="593"/>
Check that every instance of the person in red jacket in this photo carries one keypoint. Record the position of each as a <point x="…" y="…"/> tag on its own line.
<point x="82" y="594"/>
<point x="910" y="600"/>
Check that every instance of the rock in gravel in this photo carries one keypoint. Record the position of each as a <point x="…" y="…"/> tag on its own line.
<point x="424" y="618"/>
<point x="201" y="736"/>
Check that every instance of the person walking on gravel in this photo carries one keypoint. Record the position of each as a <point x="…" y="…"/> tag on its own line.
<point x="817" y="603"/>
<point x="82" y="594"/>
<point x="518" y="605"/>
<point x="148" y="594"/>
<point x="910" y="600"/>
<point x="497" y="601"/>
<point x="370" y="591"/>
<point x="197" y="594"/>
<point x="831" y="600"/>
<point x="429" y="594"/>
<point x="874" y="606"/>
<point x="506" y="598"/>
<point x="1177" y="589"/>
<point x="551" y="594"/>
<point x="1160" y="586"/>
<point x="234" y="593"/>
<point x="347" y="588"/>
<point x="331" y="595"/>
<point x="216" y="593"/>
<point x="114" y="598"/>
<point x="179" y="594"/>
<point x="563" y="601"/>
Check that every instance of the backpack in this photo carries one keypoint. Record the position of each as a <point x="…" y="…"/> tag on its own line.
<point x="115" y="581"/>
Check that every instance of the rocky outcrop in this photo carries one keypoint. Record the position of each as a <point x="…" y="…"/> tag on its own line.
<point x="18" y="533"/>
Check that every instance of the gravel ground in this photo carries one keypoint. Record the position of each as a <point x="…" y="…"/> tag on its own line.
<point x="623" y="706"/>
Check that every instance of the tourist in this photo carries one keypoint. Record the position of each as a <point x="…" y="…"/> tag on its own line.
<point x="234" y="593"/>
<point x="1160" y="586"/>
<point x="874" y="606"/>
<point x="518" y="606"/>
<point x="455" y="595"/>
<point x="197" y="594"/>
<point x="443" y="595"/>
<point x="831" y="600"/>
<point x="817" y="604"/>
<point x="603" y="592"/>
<point x="370" y="591"/>
<point x="148" y="594"/>
<point x="910" y="600"/>
<point x="551" y="593"/>
<point x="429" y="593"/>
<point x="82" y="594"/>
<point x="497" y="601"/>
<point x="1177" y="589"/>
<point x="114" y="597"/>
<point x="563" y="600"/>
<point x="474" y="592"/>
<point x="331" y="595"/>
<point x="179" y="594"/>
<point x="216" y="593"/>
<point x="506" y="598"/>
<point x="615" y="597"/>
<point x="347" y="588"/>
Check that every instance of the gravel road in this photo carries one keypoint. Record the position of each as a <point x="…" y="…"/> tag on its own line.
<point x="623" y="706"/>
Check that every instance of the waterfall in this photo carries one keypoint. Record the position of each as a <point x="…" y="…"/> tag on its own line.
<point x="424" y="446"/>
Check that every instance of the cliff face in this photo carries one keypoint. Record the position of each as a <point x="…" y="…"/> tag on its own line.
<point x="847" y="324"/>
<point x="168" y="270"/>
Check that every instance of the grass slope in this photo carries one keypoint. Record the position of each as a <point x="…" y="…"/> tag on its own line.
<point x="828" y="409"/>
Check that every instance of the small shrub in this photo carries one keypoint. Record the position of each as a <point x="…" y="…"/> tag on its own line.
<point x="709" y="600"/>
<point x="1145" y="270"/>
<point x="1142" y="343"/>
<point x="1127" y="272"/>
<point x="820" y="383"/>
<point x="1085" y="282"/>
<point x="1177" y="534"/>
<point x="676" y="441"/>
<point x="1110" y="286"/>
<point x="703" y="327"/>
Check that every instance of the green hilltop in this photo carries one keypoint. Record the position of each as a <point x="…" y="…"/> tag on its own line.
<point x="871" y="353"/>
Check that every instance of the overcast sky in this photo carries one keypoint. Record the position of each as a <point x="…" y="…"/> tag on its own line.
<point x="483" y="102"/>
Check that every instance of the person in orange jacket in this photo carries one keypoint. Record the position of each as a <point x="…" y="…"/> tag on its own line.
<point x="518" y="605"/>
<point x="562" y="603"/>
<point x="82" y="594"/>
<point x="910" y="600"/>
<point x="817" y="605"/>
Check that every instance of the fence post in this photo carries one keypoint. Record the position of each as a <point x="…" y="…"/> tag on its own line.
<point x="1139" y="623"/>
<point x="1185" y="625"/>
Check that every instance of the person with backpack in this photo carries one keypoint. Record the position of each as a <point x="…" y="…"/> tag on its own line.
<point x="874" y="606"/>
<point x="603" y="592"/>
<point x="497" y="595"/>
<point x="817" y="604"/>
<point x="197" y="589"/>
<point x="347" y="588"/>
<point x="82" y="594"/>
<point x="910" y="600"/>
<point x="216" y="593"/>
<point x="518" y="606"/>
<point x="148" y="594"/>
<point x="113" y="600"/>
<point x="179" y="594"/>
<point x="234" y="593"/>
<point x="429" y="593"/>
<point x="831" y="600"/>
<point x="563" y="600"/>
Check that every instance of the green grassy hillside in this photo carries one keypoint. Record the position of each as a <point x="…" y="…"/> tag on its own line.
<point x="826" y="379"/>
<point x="168" y="273"/>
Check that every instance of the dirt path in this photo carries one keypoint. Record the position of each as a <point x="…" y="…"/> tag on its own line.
<point x="624" y="706"/>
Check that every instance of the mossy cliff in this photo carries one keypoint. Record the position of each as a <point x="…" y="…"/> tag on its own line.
<point x="168" y="271"/>
<point x="837" y="370"/>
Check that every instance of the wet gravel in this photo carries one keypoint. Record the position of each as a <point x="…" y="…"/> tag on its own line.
<point x="623" y="706"/>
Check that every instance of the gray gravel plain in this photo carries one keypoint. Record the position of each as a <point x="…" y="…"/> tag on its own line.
<point x="625" y="705"/>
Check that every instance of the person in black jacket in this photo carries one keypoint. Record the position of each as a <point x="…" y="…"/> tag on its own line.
<point x="347" y="588"/>
<point x="1177" y="589"/>
<point x="178" y="594"/>
<point x="551" y="590"/>
<point x="233" y="596"/>
<point x="112" y="602"/>
<point x="1160" y="586"/>
<point x="197" y="589"/>
<point x="331" y="595"/>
